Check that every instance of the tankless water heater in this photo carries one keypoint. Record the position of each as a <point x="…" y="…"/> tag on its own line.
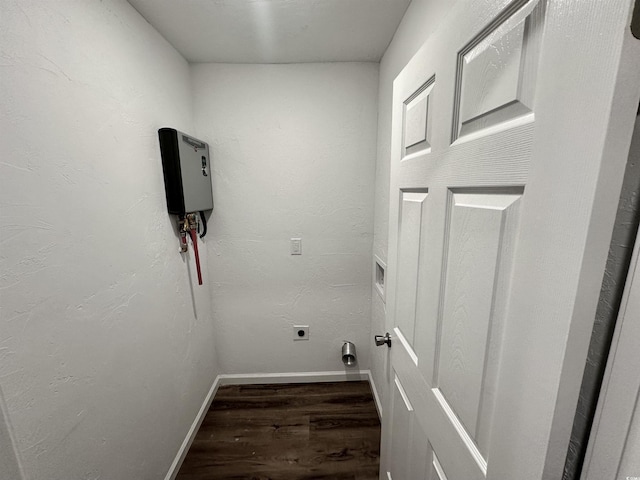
<point x="187" y="172"/>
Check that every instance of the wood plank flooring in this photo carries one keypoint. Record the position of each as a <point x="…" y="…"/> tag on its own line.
<point x="310" y="431"/>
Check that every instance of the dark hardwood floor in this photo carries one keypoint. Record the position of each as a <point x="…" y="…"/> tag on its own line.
<point x="287" y="432"/>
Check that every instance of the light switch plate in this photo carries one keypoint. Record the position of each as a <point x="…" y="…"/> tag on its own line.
<point x="296" y="246"/>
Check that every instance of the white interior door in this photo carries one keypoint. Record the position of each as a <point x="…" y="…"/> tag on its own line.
<point x="501" y="213"/>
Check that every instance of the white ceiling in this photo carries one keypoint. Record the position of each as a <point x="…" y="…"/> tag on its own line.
<point x="275" y="31"/>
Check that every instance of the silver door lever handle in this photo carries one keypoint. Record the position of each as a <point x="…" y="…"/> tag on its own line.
<point x="381" y="340"/>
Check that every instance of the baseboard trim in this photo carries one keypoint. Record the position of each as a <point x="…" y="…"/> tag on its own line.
<point x="304" y="377"/>
<point x="293" y="377"/>
<point x="376" y="397"/>
<point x="191" y="434"/>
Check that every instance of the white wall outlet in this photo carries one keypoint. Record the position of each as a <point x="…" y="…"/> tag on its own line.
<point x="296" y="246"/>
<point x="301" y="332"/>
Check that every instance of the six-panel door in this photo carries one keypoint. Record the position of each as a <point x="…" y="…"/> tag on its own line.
<point x="464" y="120"/>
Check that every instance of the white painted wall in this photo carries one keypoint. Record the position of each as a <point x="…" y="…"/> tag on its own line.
<point x="420" y="20"/>
<point x="9" y="467"/>
<point x="293" y="152"/>
<point x="106" y="345"/>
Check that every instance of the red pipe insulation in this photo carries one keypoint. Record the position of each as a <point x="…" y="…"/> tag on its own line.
<point x="194" y="239"/>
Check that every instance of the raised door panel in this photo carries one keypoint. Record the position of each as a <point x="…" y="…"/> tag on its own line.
<point x="481" y="227"/>
<point x="413" y="214"/>
<point x="496" y="71"/>
<point x="417" y="120"/>
<point x="409" y="443"/>
<point x="436" y="470"/>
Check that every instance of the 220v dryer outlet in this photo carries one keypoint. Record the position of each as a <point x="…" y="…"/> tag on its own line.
<point x="301" y="332"/>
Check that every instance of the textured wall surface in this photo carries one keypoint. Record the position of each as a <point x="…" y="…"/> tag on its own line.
<point x="9" y="467"/>
<point x="106" y="344"/>
<point x="420" y="20"/>
<point x="293" y="154"/>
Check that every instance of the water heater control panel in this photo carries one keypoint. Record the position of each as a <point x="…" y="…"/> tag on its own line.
<point x="187" y="172"/>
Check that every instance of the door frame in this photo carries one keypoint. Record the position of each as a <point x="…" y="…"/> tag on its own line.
<point x="620" y="392"/>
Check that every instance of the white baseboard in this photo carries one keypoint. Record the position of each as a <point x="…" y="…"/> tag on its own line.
<point x="304" y="377"/>
<point x="376" y="397"/>
<point x="191" y="434"/>
<point x="293" y="377"/>
<point x="257" y="378"/>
